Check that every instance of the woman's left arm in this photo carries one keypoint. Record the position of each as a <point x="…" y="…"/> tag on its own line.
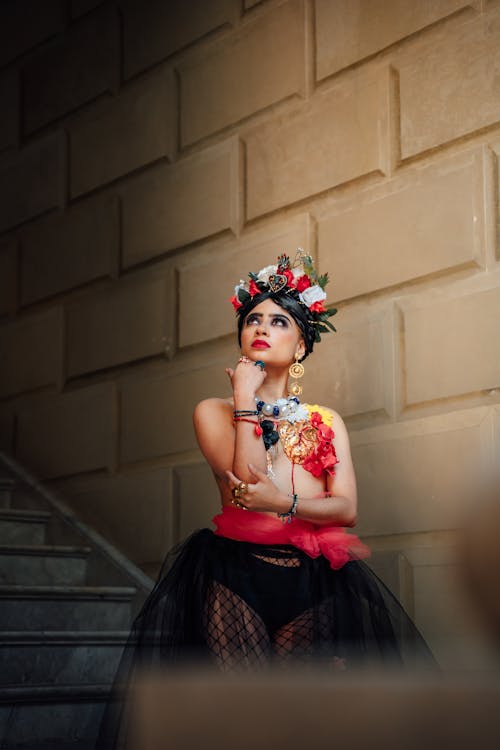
<point x="341" y="508"/>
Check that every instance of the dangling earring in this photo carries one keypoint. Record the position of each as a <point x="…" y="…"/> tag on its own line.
<point x="296" y="371"/>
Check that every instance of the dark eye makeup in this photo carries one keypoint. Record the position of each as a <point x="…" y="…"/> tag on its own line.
<point x="254" y="318"/>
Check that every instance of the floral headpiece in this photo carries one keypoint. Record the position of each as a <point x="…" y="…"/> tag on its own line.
<point x="298" y="279"/>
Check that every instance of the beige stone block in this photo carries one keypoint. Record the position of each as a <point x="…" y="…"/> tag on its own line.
<point x="494" y="471"/>
<point x="431" y="224"/>
<point x="65" y="250"/>
<point x="181" y="203"/>
<point x="132" y="511"/>
<point x="77" y="69"/>
<point x="204" y="315"/>
<point x="452" y="346"/>
<point x="335" y="138"/>
<point x="123" y="323"/>
<point x="8" y="277"/>
<point x="26" y="23"/>
<point x="448" y="85"/>
<point x="123" y="133"/>
<point x="350" y="30"/>
<point x="351" y="371"/>
<point x="157" y="412"/>
<point x="30" y="181"/>
<point x="420" y="478"/>
<point x="31" y="352"/>
<point x="197" y="499"/>
<point x="446" y="614"/>
<point x="71" y="434"/>
<point x="244" y="73"/>
<point x="9" y="97"/>
<point x="152" y="31"/>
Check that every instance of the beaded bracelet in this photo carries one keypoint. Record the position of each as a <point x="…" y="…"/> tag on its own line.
<point x="287" y="517"/>
<point x="257" y="428"/>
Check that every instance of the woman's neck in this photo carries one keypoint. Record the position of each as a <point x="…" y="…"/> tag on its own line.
<point x="274" y="387"/>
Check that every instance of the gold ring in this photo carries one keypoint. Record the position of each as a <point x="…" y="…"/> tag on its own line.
<point x="242" y="488"/>
<point x="235" y="492"/>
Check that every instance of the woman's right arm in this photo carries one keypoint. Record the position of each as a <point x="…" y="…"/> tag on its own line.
<point x="213" y="425"/>
<point x="227" y="445"/>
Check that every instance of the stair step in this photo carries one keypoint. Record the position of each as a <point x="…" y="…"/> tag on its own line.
<point x="43" y="564"/>
<point x="47" y="717"/>
<point x="18" y="526"/>
<point x="60" y="607"/>
<point x="59" y="657"/>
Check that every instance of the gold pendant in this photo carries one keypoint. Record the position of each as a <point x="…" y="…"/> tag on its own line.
<point x="299" y="439"/>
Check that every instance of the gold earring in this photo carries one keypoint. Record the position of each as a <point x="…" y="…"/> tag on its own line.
<point x="296" y="370"/>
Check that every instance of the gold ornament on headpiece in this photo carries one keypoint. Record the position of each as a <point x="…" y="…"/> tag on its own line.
<point x="277" y="282"/>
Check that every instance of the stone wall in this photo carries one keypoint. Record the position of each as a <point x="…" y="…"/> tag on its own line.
<point x="151" y="153"/>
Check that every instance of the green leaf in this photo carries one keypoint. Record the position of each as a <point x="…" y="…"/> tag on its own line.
<point x="243" y="295"/>
<point x="253" y="276"/>
<point x="323" y="280"/>
<point x="331" y="311"/>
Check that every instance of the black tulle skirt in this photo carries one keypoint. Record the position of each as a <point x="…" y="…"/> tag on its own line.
<point x="236" y="606"/>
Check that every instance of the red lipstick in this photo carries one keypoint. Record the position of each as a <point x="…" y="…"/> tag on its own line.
<point x="260" y="344"/>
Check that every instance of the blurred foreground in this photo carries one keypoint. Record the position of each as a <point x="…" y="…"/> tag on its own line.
<point x="313" y="709"/>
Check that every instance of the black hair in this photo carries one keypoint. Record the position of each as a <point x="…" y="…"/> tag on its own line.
<point x="290" y="304"/>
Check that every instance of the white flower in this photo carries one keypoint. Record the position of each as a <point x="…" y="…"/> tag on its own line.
<point x="241" y="285"/>
<point x="299" y="415"/>
<point x="312" y="294"/>
<point x="266" y="272"/>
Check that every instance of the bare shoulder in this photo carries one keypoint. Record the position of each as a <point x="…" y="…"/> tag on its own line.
<point x="335" y="415"/>
<point x="210" y="407"/>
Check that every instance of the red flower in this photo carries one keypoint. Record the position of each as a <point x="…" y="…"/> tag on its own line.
<point x="289" y="276"/>
<point x="235" y="302"/>
<point x="323" y="458"/>
<point x="303" y="282"/>
<point x="317" y="307"/>
<point x="253" y="289"/>
<point x="313" y="464"/>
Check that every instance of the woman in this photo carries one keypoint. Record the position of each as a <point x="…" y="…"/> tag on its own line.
<point x="280" y="581"/>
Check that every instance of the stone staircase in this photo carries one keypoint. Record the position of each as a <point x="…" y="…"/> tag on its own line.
<point x="67" y="599"/>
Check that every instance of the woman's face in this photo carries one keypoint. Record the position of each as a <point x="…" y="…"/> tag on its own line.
<point x="270" y="333"/>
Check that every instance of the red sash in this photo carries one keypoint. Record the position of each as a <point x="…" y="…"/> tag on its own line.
<point x="333" y="542"/>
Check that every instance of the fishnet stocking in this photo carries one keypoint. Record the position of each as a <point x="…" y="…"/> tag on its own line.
<point x="281" y="562"/>
<point x="236" y="635"/>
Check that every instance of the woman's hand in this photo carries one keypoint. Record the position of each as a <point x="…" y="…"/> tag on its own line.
<point x="263" y="495"/>
<point x="247" y="377"/>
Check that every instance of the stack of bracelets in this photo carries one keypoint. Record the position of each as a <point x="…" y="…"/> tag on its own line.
<point x="243" y="415"/>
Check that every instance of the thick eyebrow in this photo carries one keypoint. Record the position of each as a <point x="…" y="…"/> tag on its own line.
<point x="271" y="315"/>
